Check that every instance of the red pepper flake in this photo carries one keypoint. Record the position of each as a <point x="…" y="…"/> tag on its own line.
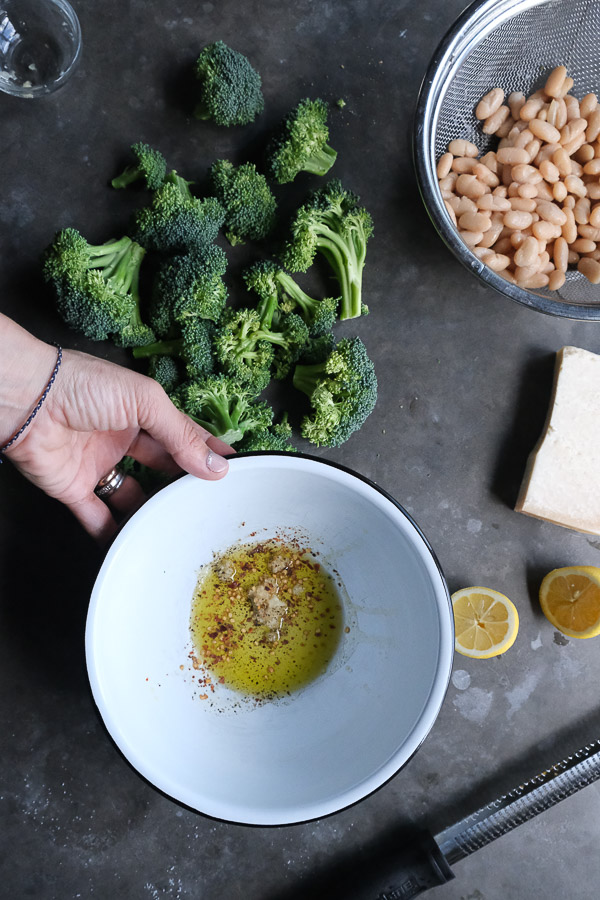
<point x="203" y="696"/>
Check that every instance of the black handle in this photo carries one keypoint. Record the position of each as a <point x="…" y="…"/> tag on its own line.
<point x="396" y="875"/>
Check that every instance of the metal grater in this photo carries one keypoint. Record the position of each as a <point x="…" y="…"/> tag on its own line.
<point x="409" y="869"/>
<point x="521" y="804"/>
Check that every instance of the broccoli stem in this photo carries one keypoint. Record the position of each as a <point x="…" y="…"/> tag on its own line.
<point x="180" y="183"/>
<point x="159" y="348"/>
<point x="125" y="274"/>
<point x="320" y="162"/>
<point x="127" y="177"/>
<point x="222" y="422"/>
<point x="307" y="376"/>
<point x="201" y="110"/>
<point x="108" y="256"/>
<point x="228" y="435"/>
<point x="293" y="290"/>
<point x="266" y="311"/>
<point x="342" y="258"/>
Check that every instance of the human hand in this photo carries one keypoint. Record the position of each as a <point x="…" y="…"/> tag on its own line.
<point x="95" y="413"/>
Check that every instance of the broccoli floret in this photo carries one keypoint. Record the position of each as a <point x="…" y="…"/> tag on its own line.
<point x="165" y="370"/>
<point x="97" y="287"/>
<point x="150" y="480"/>
<point x="240" y="352"/>
<point x="342" y="392"/>
<point x="260" y="338"/>
<point x="301" y="144"/>
<point x="286" y="331"/>
<point x="267" y="278"/>
<point x="276" y="437"/>
<point x="194" y="347"/>
<point x="176" y="221"/>
<point x="317" y="348"/>
<point x="249" y="204"/>
<point x="230" y="88"/>
<point x="224" y="407"/>
<point x="332" y="223"/>
<point x="189" y="286"/>
<point x="150" y="167"/>
<point x="288" y="337"/>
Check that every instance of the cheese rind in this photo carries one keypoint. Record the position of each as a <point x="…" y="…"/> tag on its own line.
<point x="562" y="477"/>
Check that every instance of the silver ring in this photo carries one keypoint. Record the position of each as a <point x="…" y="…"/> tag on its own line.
<point x="110" y="483"/>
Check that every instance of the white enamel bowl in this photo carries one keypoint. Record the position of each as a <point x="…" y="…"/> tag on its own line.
<point x="323" y="747"/>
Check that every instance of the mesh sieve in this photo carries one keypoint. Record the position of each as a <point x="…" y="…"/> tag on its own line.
<point x="512" y="45"/>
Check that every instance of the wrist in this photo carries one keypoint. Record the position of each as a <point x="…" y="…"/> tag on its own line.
<point x="26" y="364"/>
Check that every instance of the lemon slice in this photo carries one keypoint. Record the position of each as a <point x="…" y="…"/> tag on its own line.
<point x="570" y="600"/>
<point x="485" y="622"/>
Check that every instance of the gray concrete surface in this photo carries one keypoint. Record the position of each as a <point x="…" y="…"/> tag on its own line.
<point x="465" y="379"/>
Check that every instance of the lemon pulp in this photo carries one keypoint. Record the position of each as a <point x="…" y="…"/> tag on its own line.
<point x="485" y="622"/>
<point x="570" y="600"/>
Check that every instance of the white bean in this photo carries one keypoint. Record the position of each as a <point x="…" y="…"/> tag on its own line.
<point x="444" y="165"/>
<point x="461" y="147"/>
<point x="489" y="103"/>
<point x="493" y="123"/>
<point x="555" y="81"/>
<point x="590" y="268"/>
<point x="545" y="131"/>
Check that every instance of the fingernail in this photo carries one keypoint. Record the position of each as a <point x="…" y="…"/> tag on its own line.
<point x="216" y="463"/>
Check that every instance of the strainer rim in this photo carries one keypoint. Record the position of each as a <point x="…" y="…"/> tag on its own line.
<point x="453" y="47"/>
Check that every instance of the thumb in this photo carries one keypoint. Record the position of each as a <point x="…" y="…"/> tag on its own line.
<point x="183" y="439"/>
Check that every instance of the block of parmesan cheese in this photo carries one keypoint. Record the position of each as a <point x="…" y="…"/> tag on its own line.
<point x="562" y="477"/>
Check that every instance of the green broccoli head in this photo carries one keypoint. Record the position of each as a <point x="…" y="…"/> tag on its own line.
<point x="342" y="391"/>
<point x="289" y="336"/>
<point x="189" y="286"/>
<point x="258" y="340"/>
<point x="226" y="408"/>
<point x="273" y="284"/>
<point x="332" y="223"/>
<point x="150" y="480"/>
<point x="97" y="287"/>
<point x="196" y="347"/>
<point x="261" y="277"/>
<point x="230" y="88"/>
<point x="247" y="199"/>
<point x="193" y="347"/>
<point x="240" y="350"/>
<point x="276" y="438"/>
<point x="177" y="222"/>
<point x="150" y="167"/>
<point x="165" y="370"/>
<point x="302" y="143"/>
<point x="317" y="348"/>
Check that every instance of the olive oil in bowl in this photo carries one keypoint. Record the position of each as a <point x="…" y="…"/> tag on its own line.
<point x="266" y="618"/>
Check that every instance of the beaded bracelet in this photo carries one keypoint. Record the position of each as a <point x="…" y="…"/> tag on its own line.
<point x="39" y="403"/>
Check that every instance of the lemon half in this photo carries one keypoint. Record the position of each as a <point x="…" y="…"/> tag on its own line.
<point x="485" y="622"/>
<point x="570" y="600"/>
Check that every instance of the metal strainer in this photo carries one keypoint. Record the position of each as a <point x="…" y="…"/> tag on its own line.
<point x="512" y="45"/>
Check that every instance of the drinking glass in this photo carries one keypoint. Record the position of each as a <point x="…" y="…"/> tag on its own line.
<point x="40" y="46"/>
